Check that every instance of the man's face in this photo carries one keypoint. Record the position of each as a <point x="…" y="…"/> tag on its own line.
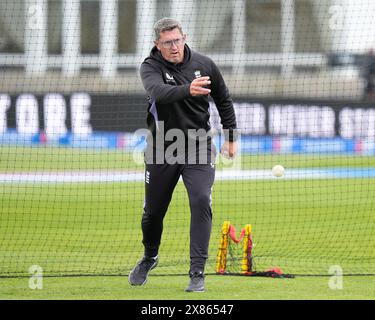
<point x="171" y="45"/>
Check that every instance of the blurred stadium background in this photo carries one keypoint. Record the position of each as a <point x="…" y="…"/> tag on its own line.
<point x="283" y="48"/>
<point x="301" y="73"/>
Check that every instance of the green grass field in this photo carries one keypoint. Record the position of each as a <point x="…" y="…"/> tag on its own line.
<point x="303" y="226"/>
<point x="172" y="288"/>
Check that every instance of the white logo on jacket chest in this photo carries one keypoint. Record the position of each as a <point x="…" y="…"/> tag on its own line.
<point x="168" y="76"/>
<point x="197" y="74"/>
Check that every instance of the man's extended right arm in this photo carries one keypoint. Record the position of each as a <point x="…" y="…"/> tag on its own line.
<point x="165" y="93"/>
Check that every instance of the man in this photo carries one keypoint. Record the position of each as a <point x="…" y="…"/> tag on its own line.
<point x="179" y="82"/>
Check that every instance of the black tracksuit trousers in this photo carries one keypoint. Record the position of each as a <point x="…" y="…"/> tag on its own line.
<point x="161" y="180"/>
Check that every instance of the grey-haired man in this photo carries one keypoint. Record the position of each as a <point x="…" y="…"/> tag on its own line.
<point x="179" y="81"/>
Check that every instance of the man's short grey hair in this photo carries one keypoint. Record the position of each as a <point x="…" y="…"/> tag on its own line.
<point x="166" y="24"/>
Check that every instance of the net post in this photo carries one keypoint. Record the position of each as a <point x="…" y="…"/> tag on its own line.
<point x="71" y="37"/>
<point x="108" y="37"/>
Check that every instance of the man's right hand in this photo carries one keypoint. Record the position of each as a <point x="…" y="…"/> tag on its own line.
<point x="196" y="86"/>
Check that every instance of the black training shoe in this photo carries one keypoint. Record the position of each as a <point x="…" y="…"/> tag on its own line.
<point x="138" y="276"/>
<point x="196" y="282"/>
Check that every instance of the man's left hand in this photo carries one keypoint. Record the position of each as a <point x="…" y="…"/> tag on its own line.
<point x="229" y="149"/>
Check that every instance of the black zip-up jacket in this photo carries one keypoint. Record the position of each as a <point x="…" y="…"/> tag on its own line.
<point x="168" y="87"/>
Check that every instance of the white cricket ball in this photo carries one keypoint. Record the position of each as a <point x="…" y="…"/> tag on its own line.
<point x="278" y="170"/>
